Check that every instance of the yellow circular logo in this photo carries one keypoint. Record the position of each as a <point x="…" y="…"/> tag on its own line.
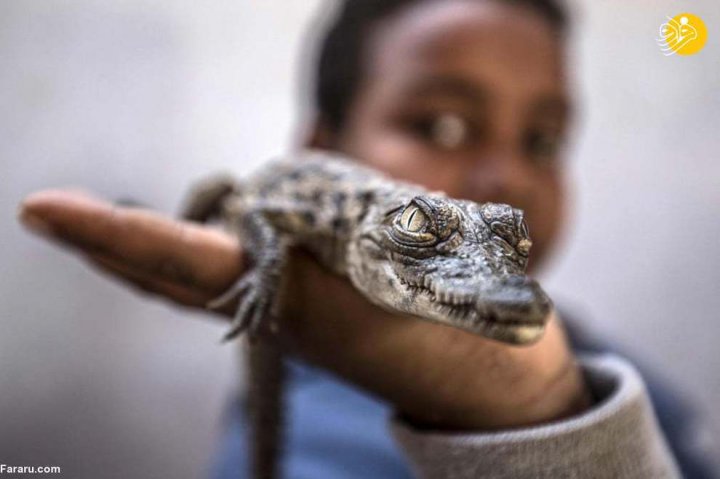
<point x="684" y="34"/>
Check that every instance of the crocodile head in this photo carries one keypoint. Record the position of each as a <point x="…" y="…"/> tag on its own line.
<point x="455" y="262"/>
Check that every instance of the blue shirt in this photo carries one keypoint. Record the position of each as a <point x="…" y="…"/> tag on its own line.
<point x="334" y="430"/>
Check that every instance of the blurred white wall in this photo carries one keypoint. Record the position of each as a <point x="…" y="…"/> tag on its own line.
<point x="641" y="259"/>
<point x="137" y="98"/>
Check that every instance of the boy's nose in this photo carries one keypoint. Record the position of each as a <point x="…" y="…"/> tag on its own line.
<point x="499" y="176"/>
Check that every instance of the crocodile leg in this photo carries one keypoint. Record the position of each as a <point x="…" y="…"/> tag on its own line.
<point x="258" y="295"/>
<point x="258" y="291"/>
<point x="206" y="198"/>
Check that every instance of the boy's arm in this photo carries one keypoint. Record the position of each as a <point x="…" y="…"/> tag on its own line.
<point x="618" y="437"/>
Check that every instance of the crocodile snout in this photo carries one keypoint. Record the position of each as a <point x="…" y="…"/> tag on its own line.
<point x="516" y="300"/>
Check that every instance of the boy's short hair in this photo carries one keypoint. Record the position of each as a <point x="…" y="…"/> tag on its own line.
<point x="339" y="69"/>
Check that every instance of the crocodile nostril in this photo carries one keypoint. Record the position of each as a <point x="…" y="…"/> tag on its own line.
<point x="523" y="246"/>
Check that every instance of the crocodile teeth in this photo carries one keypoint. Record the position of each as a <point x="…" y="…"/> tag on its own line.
<point x="450" y="297"/>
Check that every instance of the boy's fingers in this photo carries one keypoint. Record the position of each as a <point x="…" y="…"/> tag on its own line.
<point x="149" y="284"/>
<point x="191" y="255"/>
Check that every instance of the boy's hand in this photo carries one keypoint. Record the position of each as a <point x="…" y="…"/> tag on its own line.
<point x="434" y="375"/>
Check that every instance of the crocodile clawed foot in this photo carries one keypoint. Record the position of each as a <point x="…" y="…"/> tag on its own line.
<point x="253" y="307"/>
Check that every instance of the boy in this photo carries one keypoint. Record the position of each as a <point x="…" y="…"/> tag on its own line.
<point x="464" y="96"/>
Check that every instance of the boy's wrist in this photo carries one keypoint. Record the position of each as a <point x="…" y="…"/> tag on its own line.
<point x="508" y="387"/>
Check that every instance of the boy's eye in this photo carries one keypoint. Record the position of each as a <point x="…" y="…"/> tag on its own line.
<point x="542" y="146"/>
<point x="447" y="131"/>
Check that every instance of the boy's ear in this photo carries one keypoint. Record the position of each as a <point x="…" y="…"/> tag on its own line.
<point x="320" y="136"/>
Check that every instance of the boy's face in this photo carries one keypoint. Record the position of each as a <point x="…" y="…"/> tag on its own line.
<point x="469" y="98"/>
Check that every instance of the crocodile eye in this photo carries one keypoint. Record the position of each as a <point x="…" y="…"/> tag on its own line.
<point x="413" y="219"/>
<point x="524" y="229"/>
<point x="503" y="231"/>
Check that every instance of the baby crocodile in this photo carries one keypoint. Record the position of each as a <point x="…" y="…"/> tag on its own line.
<point x="406" y="249"/>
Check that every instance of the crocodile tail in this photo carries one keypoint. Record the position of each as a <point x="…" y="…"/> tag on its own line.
<point x="265" y="408"/>
<point x="206" y="198"/>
